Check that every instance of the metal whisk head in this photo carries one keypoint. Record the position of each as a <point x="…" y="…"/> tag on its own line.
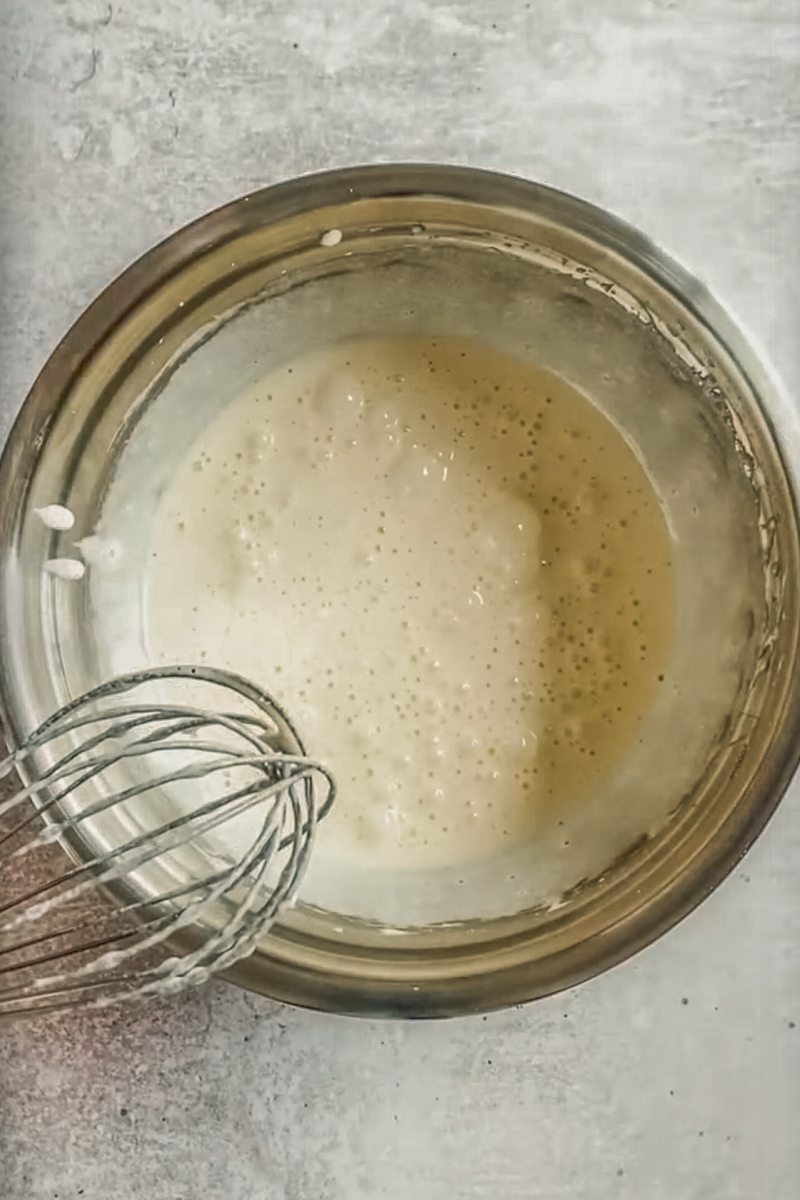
<point x="98" y="901"/>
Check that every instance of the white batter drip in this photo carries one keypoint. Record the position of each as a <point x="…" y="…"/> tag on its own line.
<point x="451" y="569"/>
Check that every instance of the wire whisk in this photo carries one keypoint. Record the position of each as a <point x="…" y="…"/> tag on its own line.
<point x="98" y="899"/>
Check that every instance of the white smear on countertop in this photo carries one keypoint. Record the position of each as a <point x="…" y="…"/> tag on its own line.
<point x="331" y="237"/>
<point x="100" y="551"/>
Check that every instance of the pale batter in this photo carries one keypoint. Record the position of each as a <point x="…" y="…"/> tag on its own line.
<point x="449" y="566"/>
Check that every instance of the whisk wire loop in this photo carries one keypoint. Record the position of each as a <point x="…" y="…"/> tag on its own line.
<point x="115" y="877"/>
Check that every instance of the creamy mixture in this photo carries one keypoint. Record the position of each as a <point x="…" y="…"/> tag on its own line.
<point x="451" y="569"/>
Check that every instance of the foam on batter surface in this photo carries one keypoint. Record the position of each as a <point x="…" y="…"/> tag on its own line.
<point x="448" y="565"/>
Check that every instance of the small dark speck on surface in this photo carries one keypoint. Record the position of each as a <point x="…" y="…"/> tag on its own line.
<point x="620" y="1170"/>
<point x="791" y="1024"/>
<point x="684" y="999"/>
<point x="123" y="1112"/>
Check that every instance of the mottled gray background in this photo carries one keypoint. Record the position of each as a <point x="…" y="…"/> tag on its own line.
<point x="674" y="1077"/>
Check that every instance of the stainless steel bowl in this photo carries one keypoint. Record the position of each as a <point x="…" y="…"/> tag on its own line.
<point x="547" y="277"/>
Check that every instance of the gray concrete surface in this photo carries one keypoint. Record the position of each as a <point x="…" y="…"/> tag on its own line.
<point x="676" y="1076"/>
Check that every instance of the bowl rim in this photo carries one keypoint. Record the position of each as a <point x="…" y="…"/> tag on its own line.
<point x="303" y="196"/>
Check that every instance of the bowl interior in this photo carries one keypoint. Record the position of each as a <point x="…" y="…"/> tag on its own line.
<point x="572" y="293"/>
